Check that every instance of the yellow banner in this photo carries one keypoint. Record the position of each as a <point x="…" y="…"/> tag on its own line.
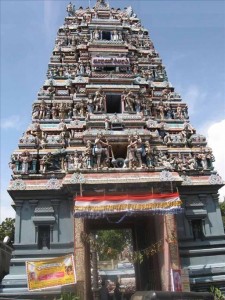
<point x="50" y="272"/>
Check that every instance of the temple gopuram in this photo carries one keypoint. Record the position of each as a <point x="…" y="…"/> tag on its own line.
<point x="111" y="146"/>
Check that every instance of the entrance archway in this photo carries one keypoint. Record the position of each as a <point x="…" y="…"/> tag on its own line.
<point x="146" y="269"/>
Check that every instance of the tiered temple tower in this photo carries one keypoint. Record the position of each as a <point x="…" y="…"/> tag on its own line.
<point x="107" y="124"/>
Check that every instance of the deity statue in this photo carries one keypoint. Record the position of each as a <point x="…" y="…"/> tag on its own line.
<point x="135" y="151"/>
<point x="62" y="110"/>
<point x="55" y="111"/>
<point x="190" y="162"/>
<point x="161" y="110"/>
<point x="46" y="162"/>
<point x="90" y="104"/>
<point x="99" y="100"/>
<point x="51" y="90"/>
<point x="166" y="161"/>
<point x="149" y="154"/>
<point x="102" y="151"/>
<point x="65" y="136"/>
<point x="169" y="111"/>
<point x="185" y="112"/>
<point x="179" y="114"/>
<point x="107" y="123"/>
<point x="129" y="99"/>
<point x="209" y="159"/>
<point x="25" y="158"/>
<point x="96" y="35"/>
<point x="77" y="161"/>
<point x="88" y="70"/>
<point x="35" y="112"/>
<point x="88" y="155"/>
<point x="12" y="163"/>
<point x="137" y="104"/>
<point x="115" y="36"/>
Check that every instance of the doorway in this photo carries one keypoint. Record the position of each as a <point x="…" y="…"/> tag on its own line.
<point x="106" y="35"/>
<point x="113" y="104"/>
<point x="117" y="241"/>
<point x="43" y="237"/>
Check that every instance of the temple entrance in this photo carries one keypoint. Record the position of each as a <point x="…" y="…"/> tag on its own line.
<point x="125" y="267"/>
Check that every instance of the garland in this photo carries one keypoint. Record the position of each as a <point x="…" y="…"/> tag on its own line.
<point x="132" y="256"/>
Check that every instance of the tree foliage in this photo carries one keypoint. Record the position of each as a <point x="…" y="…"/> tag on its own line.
<point x="7" y="228"/>
<point x="222" y="207"/>
<point x="217" y="293"/>
<point x="114" y="240"/>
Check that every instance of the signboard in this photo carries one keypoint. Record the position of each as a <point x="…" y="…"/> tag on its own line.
<point x="50" y="273"/>
<point x="110" y="61"/>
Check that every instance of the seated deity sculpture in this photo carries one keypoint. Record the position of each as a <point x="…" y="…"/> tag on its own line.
<point x="46" y="162"/>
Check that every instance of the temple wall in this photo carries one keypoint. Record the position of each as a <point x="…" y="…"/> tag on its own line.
<point x="202" y="249"/>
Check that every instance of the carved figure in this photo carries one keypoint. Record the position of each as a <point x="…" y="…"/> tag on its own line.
<point x="135" y="151"/>
<point x="25" y="158"/>
<point x="161" y="110"/>
<point x="77" y="161"/>
<point x="138" y="103"/>
<point x="50" y="90"/>
<point x="35" y="112"/>
<point x="107" y="123"/>
<point x="62" y="111"/>
<point x="179" y="114"/>
<point x="70" y="9"/>
<point x="128" y="98"/>
<point x="90" y="104"/>
<point x="209" y="159"/>
<point x="99" y="100"/>
<point x="149" y="155"/>
<point x="191" y="162"/>
<point x="164" y="161"/>
<point x="115" y="36"/>
<point x="13" y="163"/>
<point x="42" y="110"/>
<point x="65" y="136"/>
<point x="88" y="155"/>
<point x="96" y="34"/>
<point x="101" y="151"/>
<point x="46" y="162"/>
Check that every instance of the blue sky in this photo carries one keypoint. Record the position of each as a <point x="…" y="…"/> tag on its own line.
<point x="188" y="34"/>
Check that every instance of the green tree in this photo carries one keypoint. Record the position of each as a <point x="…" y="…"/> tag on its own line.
<point x="217" y="293"/>
<point x="222" y="207"/>
<point x="112" y="242"/>
<point x="7" y="228"/>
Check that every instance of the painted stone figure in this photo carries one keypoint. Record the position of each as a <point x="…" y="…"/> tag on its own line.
<point x="101" y="151"/>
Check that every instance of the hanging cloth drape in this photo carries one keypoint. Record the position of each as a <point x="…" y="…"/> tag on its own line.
<point x="128" y="204"/>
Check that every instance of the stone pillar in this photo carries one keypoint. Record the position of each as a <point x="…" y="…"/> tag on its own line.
<point x="19" y="205"/>
<point x="172" y="241"/>
<point x="171" y="238"/>
<point x="33" y="203"/>
<point x="79" y="255"/>
<point x="55" y="237"/>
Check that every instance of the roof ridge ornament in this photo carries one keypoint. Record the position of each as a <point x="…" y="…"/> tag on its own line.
<point x="101" y="4"/>
<point x="70" y="9"/>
